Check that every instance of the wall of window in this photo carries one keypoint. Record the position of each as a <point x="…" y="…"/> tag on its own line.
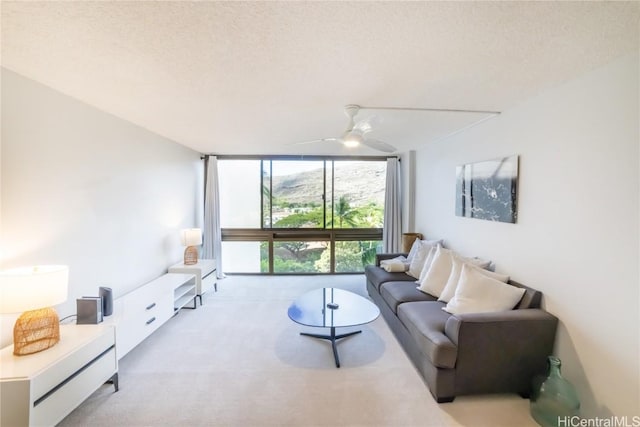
<point x="285" y="215"/>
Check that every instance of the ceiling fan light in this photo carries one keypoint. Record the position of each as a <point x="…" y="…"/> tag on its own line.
<point x="352" y="139"/>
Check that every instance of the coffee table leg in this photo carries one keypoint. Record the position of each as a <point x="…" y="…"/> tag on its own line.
<point x="333" y="337"/>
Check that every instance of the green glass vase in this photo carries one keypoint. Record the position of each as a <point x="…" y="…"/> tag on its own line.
<point x="554" y="398"/>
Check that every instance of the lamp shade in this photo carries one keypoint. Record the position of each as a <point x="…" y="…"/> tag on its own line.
<point x="30" y="288"/>
<point x="191" y="237"/>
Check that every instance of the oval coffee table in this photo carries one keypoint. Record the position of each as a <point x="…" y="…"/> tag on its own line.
<point x="332" y="308"/>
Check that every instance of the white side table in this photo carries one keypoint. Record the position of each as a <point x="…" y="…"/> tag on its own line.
<point x="205" y="272"/>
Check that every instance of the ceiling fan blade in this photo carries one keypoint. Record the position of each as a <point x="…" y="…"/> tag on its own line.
<point x="376" y="144"/>
<point x="318" y="140"/>
<point x="366" y="125"/>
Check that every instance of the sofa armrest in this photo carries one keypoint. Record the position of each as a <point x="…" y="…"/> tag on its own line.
<point x="380" y="257"/>
<point x="501" y="352"/>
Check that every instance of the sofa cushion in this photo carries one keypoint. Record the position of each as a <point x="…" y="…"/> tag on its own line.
<point x="394" y="293"/>
<point x="425" y="321"/>
<point x="377" y="276"/>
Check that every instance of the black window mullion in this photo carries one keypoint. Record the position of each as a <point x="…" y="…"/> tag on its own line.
<point x="332" y="245"/>
<point x="271" y="250"/>
<point x="270" y="194"/>
<point x="262" y="194"/>
<point x="324" y="194"/>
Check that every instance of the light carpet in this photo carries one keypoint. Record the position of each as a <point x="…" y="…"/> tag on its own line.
<point x="240" y="361"/>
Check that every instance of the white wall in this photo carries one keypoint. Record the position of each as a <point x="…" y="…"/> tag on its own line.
<point x="84" y="188"/>
<point x="576" y="238"/>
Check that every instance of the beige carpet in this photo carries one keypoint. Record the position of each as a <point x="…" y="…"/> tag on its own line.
<point x="239" y="361"/>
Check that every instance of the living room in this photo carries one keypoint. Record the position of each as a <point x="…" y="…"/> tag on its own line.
<point x="101" y="167"/>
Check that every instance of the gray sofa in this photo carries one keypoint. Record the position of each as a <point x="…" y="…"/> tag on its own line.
<point x="469" y="353"/>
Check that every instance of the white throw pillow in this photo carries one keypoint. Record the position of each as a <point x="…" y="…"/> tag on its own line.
<point x="415" y="266"/>
<point x="477" y="293"/>
<point x="436" y="277"/>
<point x="427" y="263"/>
<point x="414" y="250"/>
<point x="454" y="278"/>
<point x="417" y="263"/>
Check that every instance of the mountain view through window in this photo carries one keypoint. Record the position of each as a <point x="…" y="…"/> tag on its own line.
<point x="301" y="216"/>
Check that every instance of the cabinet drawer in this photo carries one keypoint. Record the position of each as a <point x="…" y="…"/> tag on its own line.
<point x="67" y="366"/>
<point x="59" y="404"/>
<point x="141" y="300"/>
<point x="138" y="324"/>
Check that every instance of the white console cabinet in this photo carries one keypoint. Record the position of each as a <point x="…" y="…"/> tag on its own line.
<point x="40" y="389"/>
<point x="205" y="272"/>
<point x="137" y="314"/>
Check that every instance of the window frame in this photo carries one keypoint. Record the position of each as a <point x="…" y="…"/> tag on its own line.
<point x="276" y="234"/>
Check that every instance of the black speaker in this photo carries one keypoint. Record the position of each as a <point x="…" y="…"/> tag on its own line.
<point x="107" y="301"/>
<point x="89" y="310"/>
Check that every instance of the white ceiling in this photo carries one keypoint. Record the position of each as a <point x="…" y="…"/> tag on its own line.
<point x="256" y="77"/>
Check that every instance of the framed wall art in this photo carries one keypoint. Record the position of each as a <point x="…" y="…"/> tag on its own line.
<point x="488" y="190"/>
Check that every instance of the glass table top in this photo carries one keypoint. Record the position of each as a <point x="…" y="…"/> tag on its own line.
<point x="331" y="307"/>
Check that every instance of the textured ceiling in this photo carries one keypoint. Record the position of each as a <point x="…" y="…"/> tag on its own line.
<point x="256" y="77"/>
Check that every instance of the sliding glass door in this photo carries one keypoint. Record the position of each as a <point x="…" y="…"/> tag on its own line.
<point x="286" y="215"/>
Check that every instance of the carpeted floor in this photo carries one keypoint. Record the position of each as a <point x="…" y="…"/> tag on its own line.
<point x="239" y="361"/>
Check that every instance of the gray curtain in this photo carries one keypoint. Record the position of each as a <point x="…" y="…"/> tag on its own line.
<point x="212" y="241"/>
<point x="392" y="231"/>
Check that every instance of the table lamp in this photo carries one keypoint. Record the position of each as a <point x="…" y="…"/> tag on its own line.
<point x="33" y="291"/>
<point x="191" y="237"/>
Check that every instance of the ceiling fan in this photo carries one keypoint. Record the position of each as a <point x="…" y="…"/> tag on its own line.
<point x="356" y="133"/>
